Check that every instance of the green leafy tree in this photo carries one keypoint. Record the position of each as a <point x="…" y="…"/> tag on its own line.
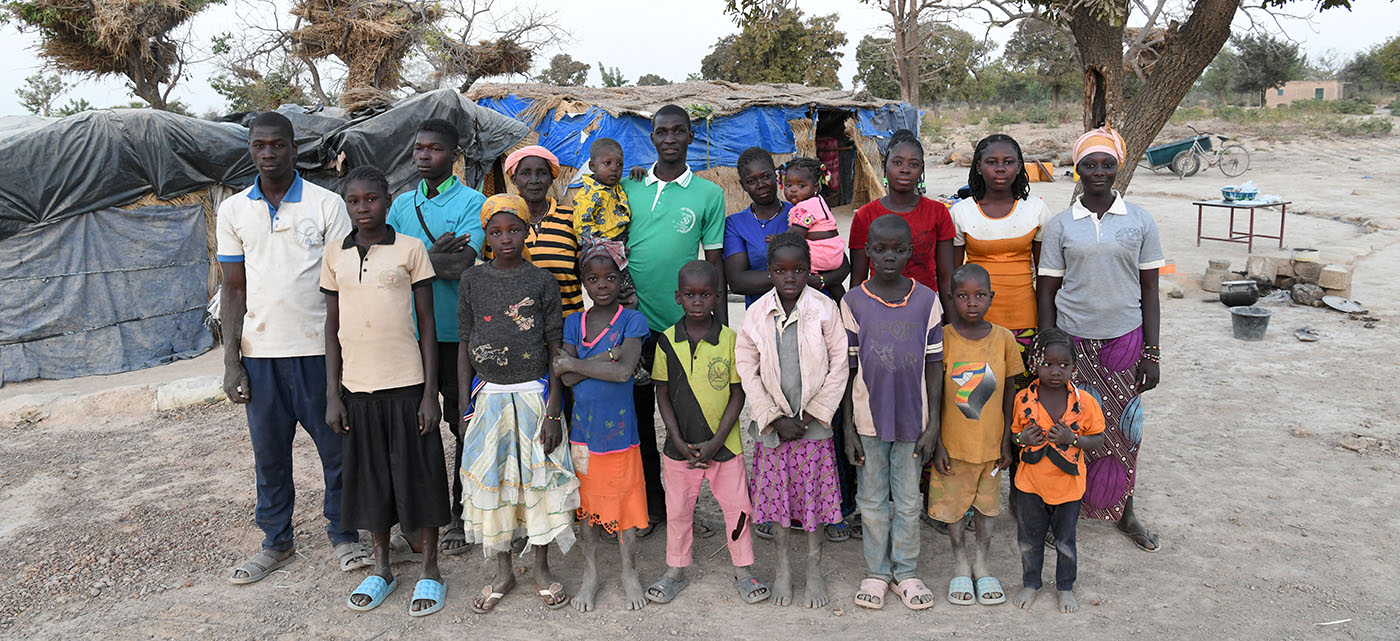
<point x="247" y="90"/>
<point x="1163" y="55"/>
<point x="950" y="58"/>
<point x="652" y="80"/>
<point x="779" y="46"/>
<point x="1047" y="53"/>
<point x="611" y="77"/>
<point x="875" y="68"/>
<point x="1219" y="78"/>
<point x="564" y="71"/>
<point x="1264" y="63"/>
<point x="1364" y="70"/>
<point x="1388" y="59"/>
<point x="134" y="39"/>
<point x="39" y="93"/>
<point x="74" y="106"/>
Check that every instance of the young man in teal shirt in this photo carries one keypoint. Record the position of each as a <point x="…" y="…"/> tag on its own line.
<point x="446" y="215"/>
<point x="675" y="215"/>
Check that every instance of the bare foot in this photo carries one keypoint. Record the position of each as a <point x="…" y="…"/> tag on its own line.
<point x="1068" y="603"/>
<point x="584" y="598"/>
<point x="632" y="587"/>
<point x="1025" y="597"/>
<point x="815" y="591"/>
<point x="782" y="586"/>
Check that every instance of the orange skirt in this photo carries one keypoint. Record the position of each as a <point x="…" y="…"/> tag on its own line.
<point x="612" y="491"/>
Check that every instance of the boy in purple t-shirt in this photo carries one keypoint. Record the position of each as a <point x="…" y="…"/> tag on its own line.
<point x="892" y="410"/>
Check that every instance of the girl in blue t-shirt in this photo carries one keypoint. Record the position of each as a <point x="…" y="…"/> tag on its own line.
<point x="601" y="348"/>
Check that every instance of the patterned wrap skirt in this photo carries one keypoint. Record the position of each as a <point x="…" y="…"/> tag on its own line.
<point x="1107" y="370"/>
<point x="795" y="484"/>
<point x="511" y="487"/>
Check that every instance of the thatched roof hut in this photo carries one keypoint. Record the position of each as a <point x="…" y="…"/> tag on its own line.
<point x="847" y="130"/>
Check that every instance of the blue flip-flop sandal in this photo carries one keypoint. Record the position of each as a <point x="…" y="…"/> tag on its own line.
<point x="428" y="590"/>
<point x="374" y="587"/>
<point x="988" y="585"/>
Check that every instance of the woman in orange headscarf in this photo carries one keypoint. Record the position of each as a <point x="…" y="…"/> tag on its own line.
<point x="551" y="244"/>
<point x="1098" y="282"/>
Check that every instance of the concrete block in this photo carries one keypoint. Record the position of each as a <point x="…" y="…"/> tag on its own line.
<point x="1260" y="268"/>
<point x="1344" y="292"/>
<point x="1307" y="271"/>
<point x="200" y="390"/>
<point x="1335" y="277"/>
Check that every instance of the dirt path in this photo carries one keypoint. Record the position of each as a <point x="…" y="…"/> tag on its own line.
<point x="122" y="524"/>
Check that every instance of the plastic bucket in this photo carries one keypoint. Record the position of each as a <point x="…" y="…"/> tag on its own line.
<point x="1250" y="322"/>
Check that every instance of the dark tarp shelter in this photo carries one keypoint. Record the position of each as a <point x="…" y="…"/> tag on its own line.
<point x="106" y="240"/>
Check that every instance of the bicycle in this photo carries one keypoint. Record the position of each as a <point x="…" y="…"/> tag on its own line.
<point x="1230" y="157"/>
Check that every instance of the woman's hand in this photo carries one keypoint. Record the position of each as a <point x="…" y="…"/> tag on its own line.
<point x="1149" y="372"/>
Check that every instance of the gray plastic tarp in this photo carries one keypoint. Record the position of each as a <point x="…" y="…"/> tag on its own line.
<point x="110" y="291"/>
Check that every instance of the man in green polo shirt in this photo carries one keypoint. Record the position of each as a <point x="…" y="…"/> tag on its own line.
<point x="675" y="215"/>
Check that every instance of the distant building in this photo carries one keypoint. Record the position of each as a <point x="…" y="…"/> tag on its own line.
<point x="1295" y="90"/>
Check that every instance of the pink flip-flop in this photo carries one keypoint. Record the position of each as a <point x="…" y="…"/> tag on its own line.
<point x="871" y="594"/>
<point x="910" y="589"/>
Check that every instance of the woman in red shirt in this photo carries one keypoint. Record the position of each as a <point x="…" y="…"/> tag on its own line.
<point x="929" y="221"/>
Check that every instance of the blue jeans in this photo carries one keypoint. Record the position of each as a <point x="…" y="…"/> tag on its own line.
<point x="890" y="475"/>
<point x="287" y="391"/>
<point x="1033" y="518"/>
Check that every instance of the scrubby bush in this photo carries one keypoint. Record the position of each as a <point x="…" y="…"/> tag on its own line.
<point x="1004" y="117"/>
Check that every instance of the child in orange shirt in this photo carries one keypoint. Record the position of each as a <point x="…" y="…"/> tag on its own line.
<point x="1051" y="474"/>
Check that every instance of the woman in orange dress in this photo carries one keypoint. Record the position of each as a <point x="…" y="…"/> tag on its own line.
<point x="999" y="228"/>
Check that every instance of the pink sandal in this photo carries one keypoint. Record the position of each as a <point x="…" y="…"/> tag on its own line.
<point x="871" y="594"/>
<point x="910" y="589"/>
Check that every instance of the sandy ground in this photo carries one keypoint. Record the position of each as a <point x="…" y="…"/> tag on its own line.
<point x="121" y="524"/>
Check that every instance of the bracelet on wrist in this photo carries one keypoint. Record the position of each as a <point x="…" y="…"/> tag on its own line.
<point x="547" y="417"/>
<point x="612" y="357"/>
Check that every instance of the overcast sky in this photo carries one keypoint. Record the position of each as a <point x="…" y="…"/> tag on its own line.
<point x="636" y="37"/>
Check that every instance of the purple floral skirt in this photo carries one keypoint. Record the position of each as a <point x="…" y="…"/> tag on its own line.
<point x="796" y="484"/>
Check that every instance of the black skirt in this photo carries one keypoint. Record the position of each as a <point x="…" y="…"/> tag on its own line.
<point x="389" y="472"/>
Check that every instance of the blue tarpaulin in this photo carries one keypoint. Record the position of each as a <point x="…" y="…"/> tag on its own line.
<point x="718" y="141"/>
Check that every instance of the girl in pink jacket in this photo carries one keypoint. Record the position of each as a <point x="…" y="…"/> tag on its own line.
<point x="792" y="361"/>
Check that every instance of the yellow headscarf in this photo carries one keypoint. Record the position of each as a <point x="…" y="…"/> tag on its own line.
<point x="504" y="204"/>
<point x="1104" y="139"/>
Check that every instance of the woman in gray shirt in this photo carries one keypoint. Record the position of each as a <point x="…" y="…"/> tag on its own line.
<point x="1098" y="282"/>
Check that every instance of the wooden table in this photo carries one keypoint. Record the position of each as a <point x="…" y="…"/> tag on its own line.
<point x="1245" y="237"/>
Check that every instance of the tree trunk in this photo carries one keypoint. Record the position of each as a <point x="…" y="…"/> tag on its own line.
<point x="1055" y="97"/>
<point x="1188" y="47"/>
<point x="141" y="83"/>
<point x="906" y="60"/>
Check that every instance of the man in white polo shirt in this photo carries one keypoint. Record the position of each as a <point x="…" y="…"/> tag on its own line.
<point x="270" y="240"/>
